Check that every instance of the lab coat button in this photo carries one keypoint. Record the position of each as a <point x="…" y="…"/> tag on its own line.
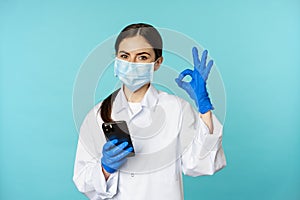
<point x="132" y="174"/>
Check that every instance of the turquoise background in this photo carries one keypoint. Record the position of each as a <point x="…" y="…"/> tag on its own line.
<point x="255" y="43"/>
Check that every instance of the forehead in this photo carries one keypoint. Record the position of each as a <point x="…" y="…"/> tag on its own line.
<point x="135" y="44"/>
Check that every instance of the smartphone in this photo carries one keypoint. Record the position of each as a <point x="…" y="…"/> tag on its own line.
<point x="118" y="130"/>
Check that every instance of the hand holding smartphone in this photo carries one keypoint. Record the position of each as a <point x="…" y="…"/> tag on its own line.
<point x="118" y="130"/>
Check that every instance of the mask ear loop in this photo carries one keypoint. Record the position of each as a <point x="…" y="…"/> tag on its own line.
<point x="154" y="63"/>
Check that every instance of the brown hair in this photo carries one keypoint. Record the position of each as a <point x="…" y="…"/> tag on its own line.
<point x="152" y="36"/>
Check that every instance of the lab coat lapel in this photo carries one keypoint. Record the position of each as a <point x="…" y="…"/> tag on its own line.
<point x="120" y="107"/>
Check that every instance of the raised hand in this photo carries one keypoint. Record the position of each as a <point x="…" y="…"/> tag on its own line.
<point x="196" y="88"/>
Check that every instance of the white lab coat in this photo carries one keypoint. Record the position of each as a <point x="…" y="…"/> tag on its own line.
<point x="169" y="139"/>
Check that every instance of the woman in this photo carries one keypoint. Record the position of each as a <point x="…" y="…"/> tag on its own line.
<point x="169" y="137"/>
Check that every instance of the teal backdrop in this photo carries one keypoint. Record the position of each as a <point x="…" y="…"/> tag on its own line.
<point x="255" y="43"/>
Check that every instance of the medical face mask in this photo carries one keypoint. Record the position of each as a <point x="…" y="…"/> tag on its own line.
<point x="133" y="75"/>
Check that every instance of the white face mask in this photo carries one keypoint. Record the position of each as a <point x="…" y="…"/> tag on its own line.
<point x="133" y="75"/>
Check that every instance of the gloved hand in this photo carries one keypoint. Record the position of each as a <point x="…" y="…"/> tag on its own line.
<point x="114" y="156"/>
<point x="196" y="88"/>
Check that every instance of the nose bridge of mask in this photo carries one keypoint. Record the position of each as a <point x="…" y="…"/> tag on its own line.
<point x="141" y="68"/>
<point x="133" y="68"/>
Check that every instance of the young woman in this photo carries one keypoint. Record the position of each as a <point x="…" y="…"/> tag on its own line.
<point x="169" y="136"/>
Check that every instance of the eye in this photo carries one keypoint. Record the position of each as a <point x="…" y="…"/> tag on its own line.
<point x="143" y="57"/>
<point x="124" y="56"/>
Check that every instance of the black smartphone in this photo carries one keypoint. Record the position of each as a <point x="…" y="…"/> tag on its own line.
<point x="118" y="130"/>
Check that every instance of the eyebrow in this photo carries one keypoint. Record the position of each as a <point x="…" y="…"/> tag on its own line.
<point x="144" y="52"/>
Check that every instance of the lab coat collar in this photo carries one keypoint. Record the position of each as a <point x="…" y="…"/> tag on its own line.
<point x="149" y="100"/>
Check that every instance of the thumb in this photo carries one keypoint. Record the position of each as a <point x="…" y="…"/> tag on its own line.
<point x="178" y="81"/>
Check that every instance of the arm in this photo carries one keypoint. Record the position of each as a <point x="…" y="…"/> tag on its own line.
<point x="207" y="118"/>
<point x="88" y="175"/>
<point x="105" y="173"/>
<point x="205" y="154"/>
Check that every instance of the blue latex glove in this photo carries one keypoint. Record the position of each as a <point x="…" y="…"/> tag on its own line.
<point x="114" y="156"/>
<point x="196" y="88"/>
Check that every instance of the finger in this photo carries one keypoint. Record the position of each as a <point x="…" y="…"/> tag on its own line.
<point x="195" y="56"/>
<point x="185" y="85"/>
<point x="117" y="149"/>
<point x="130" y="149"/>
<point x="207" y="70"/>
<point x="110" y="144"/>
<point x="118" y="164"/>
<point x="121" y="155"/>
<point x="209" y="66"/>
<point x="203" y="58"/>
<point x="185" y="73"/>
<point x="178" y="81"/>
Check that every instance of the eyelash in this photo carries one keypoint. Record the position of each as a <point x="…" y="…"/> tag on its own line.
<point x="143" y="58"/>
<point x="140" y="57"/>
<point x="124" y="56"/>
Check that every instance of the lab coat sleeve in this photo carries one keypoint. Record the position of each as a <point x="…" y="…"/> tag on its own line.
<point x="88" y="176"/>
<point x="205" y="154"/>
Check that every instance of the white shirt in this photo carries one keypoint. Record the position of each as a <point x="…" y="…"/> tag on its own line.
<point x="169" y="139"/>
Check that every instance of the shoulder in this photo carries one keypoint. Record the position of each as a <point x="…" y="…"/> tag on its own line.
<point x="92" y="115"/>
<point x="172" y="100"/>
<point x="176" y="105"/>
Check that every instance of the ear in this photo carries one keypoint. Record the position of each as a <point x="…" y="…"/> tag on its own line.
<point x="158" y="63"/>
